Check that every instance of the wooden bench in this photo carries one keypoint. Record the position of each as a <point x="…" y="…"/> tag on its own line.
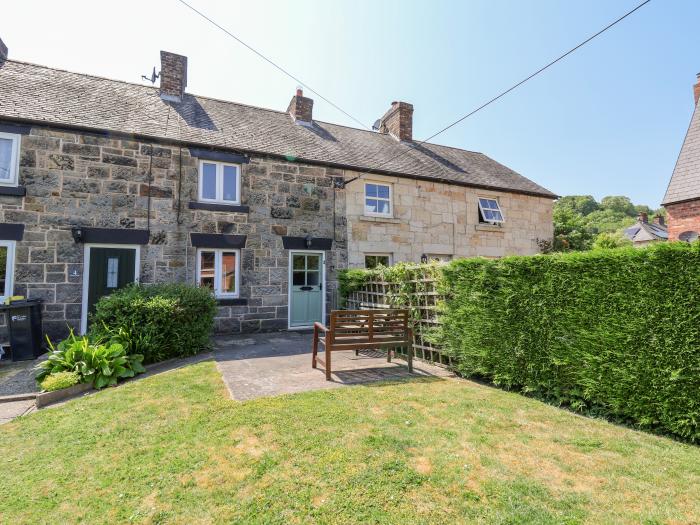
<point x="363" y="330"/>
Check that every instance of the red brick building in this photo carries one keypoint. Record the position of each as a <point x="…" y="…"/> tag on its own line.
<point x="682" y="200"/>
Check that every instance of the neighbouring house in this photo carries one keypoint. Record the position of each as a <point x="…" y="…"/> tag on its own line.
<point x="104" y="182"/>
<point x="644" y="232"/>
<point x="682" y="200"/>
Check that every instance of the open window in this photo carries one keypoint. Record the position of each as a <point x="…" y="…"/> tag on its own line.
<point x="219" y="270"/>
<point x="490" y="211"/>
<point x="9" y="158"/>
<point x="219" y="182"/>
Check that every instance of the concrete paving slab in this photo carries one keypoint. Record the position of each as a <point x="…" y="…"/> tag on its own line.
<point x="13" y="409"/>
<point x="262" y="365"/>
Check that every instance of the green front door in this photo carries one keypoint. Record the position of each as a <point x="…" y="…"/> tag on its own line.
<point x="307" y="289"/>
<point x="110" y="269"/>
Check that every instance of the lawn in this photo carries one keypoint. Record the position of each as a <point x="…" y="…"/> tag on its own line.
<point x="173" y="449"/>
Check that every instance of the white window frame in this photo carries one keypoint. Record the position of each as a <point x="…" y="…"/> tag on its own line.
<point x="388" y="255"/>
<point x="219" y="182"/>
<point x="217" y="271"/>
<point x="9" y="269"/>
<point x="390" y="200"/>
<point x="498" y="209"/>
<point x="14" y="159"/>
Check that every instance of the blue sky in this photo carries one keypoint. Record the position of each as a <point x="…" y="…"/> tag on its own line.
<point x="608" y="120"/>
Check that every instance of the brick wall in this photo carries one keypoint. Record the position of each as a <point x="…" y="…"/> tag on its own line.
<point x="681" y="217"/>
<point x="80" y="179"/>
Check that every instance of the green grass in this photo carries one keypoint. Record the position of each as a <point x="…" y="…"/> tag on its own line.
<point x="173" y="449"/>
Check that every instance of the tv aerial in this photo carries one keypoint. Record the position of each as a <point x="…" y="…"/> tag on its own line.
<point x="154" y="76"/>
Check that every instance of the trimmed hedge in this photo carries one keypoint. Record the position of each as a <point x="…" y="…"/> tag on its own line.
<point x="160" y="321"/>
<point x="610" y="331"/>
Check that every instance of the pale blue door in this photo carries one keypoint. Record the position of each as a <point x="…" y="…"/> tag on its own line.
<point x="307" y="289"/>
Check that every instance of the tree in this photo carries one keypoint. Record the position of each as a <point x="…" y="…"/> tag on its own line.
<point x="580" y="221"/>
<point x="618" y="204"/>
<point x="570" y="230"/>
<point x="608" y="240"/>
<point x="581" y="204"/>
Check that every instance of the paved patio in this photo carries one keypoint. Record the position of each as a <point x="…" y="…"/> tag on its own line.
<point x="261" y="365"/>
<point x="251" y="366"/>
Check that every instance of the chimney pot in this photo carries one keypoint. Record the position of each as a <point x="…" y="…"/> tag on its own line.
<point x="696" y="89"/>
<point x="3" y="51"/>
<point x="643" y="217"/>
<point x="659" y="219"/>
<point x="173" y="76"/>
<point x="398" y="121"/>
<point x="301" y="108"/>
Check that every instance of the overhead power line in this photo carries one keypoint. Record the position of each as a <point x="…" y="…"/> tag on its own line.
<point x="273" y="63"/>
<point x="512" y="88"/>
<point x="411" y="147"/>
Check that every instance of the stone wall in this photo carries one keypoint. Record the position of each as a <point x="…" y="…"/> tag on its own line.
<point x="682" y="217"/>
<point x="81" y="179"/>
<point x="433" y="218"/>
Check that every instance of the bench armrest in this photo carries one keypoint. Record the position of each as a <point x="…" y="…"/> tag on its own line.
<point x="319" y="326"/>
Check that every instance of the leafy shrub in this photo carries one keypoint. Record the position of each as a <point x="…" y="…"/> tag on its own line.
<point x="611" y="331"/>
<point x="95" y="362"/>
<point x="160" y="321"/>
<point x="59" y="381"/>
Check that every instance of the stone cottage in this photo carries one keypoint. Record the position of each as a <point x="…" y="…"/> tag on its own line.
<point x="682" y="199"/>
<point x="104" y="182"/>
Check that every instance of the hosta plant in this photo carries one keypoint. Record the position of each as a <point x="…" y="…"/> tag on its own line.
<point x="99" y="362"/>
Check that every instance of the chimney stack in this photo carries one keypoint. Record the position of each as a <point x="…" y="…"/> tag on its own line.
<point x="398" y="121"/>
<point x="173" y="76"/>
<point x="301" y="108"/>
<point x="696" y="89"/>
<point x="659" y="219"/>
<point x="3" y="51"/>
<point x="643" y="217"/>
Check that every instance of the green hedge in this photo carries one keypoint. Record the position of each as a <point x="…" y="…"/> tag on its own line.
<point x="159" y="321"/>
<point x="610" y="331"/>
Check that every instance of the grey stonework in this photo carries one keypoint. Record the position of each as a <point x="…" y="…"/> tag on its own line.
<point x="80" y="179"/>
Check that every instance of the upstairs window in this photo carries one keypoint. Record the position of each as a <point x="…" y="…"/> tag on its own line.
<point x="490" y="211"/>
<point x="219" y="271"/>
<point x="219" y="182"/>
<point x="9" y="158"/>
<point x="378" y="199"/>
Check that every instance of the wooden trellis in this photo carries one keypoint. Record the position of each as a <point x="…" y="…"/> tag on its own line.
<point x="420" y="296"/>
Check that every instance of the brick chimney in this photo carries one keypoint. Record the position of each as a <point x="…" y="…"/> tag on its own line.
<point x="659" y="220"/>
<point x="3" y="51"/>
<point x="173" y="76"/>
<point x="696" y="89"/>
<point x="398" y="121"/>
<point x="643" y="217"/>
<point x="301" y="108"/>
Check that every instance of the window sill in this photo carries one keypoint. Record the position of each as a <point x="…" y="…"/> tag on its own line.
<point x="216" y="206"/>
<point x="376" y="218"/>
<point x="489" y="228"/>
<point x="231" y="301"/>
<point x="13" y="191"/>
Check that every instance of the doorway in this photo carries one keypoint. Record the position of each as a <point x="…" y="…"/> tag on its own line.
<point x="307" y="276"/>
<point x="106" y="268"/>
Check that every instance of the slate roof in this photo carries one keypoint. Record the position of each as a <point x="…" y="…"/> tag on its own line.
<point x="645" y="231"/>
<point x="685" y="181"/>
<point x="38" y="94"/>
